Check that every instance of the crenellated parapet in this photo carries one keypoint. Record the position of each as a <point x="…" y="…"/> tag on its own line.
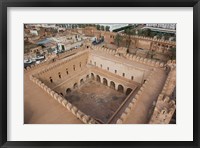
<point x="34" y="66"/>
<point x="134" y="100"/>
<point x="163" y="111"/>
<point x="146" y="61"/>
<point x="73" y="109"/>
<point x="61" y="62"/>
<point x="165" y="105"/>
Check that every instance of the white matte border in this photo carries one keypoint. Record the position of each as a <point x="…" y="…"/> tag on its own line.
<point x="182" y="131"/>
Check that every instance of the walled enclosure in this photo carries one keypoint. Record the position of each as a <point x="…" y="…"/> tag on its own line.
<point x="124" y="74"/>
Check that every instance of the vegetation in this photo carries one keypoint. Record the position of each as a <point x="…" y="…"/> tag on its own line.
<point x="118" y="39"/>
<point x="159" y="35"/>
<point x="172" y="54"/>
<point x="107" y="28"/>
<point x="128" y="33"/>
<point x="102" y="28"/>
<point x="150" y="54"/>
<point x="98" y="27"/>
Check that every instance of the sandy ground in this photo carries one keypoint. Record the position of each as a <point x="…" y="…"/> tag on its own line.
<point x="96" y="100"/>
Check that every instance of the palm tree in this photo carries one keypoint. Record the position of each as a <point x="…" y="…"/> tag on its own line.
<point x="118" y="39"/>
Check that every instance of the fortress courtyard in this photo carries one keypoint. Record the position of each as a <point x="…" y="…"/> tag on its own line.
<point x="94" y="84"/>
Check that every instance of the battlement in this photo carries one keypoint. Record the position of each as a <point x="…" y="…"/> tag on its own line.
<point x="146" y="61"/>
<point x="134" y="100"/>
<point x="165" y="106"/>
<point x="163" y="111"/>
<point x="73" y="109"/>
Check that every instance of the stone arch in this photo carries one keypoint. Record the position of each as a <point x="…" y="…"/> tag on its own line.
<point x="105" y="82"/>
<point x="128" y="91"/>
<point x="75" y="86"/>
<point x="112" y="84"/>
<point x="120" y="88"/>
<point x="98" y="79"/>
<point x="81" y="81"/>
<point x="92" y="76"/>
<point x="68" y="90"/>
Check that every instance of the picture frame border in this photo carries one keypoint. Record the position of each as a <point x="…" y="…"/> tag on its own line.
<point x="4" y="4"/>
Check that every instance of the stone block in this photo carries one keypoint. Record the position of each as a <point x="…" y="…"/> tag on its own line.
<point x="64" y="102"/>
<point x="60" y="99"/>
<point x="69" y="106"/>
<point x="74" y="110"/>
<point x="79" y="114"/>
<point x="85" y="119"/>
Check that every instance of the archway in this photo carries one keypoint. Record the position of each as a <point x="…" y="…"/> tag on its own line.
<point x="120" y="88"/>
<point x="81" y="81"/>
<point x="128" y="91"/>
<point x="92" y="76"/>
<point x="105" y="82"/>
<point x="112" y="85"/>
<point x="68" y="90"/>
<point x="98" y="78"/>
<point x="75" y="85"/>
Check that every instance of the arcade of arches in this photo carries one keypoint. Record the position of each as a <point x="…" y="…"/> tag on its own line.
<point x="97" y="88"/>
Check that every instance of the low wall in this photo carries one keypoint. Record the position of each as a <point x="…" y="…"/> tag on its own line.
<point x="73" y="109"/>
<point x="132" y="104"/>
<point x="146" y="61"/>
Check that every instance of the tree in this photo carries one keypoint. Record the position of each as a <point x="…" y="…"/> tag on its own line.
<point x="172" y="54"/>
<point x="128" y="37"/>
<point x="146" y="32"/>
<point x="83" y="26"/>
<point x="98" y="27"/>
<point x="151" y="54"/>
<point x="118" y="39"/>
<point x="107" y="28"/>
<point x="102" y="28"/>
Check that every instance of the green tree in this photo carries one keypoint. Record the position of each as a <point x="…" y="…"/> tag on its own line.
<point x="151" y="54"/>
<point x="128" y="33"/>
<point x="146" y="32"/>
<point x="172" y="54"/>
<point x="107" y="28"/>
<point x="118" y="39"/>
<point x="102" y="28"/>
<point x="98" y="27"/>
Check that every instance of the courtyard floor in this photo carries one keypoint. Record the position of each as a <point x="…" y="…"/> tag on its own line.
<point x="96" y="100"/>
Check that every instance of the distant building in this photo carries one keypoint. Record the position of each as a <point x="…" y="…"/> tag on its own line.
<point x="114" y="26"/>
<point x="165" y="26"/>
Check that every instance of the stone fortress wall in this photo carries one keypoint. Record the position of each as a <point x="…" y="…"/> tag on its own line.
<point x="86" y="65"/>
<point x="165" y="105"/>
<point x="134" y="100"/>
<point x="74" y="110"/>
<point x="138" y="71"/>
<point x="136" y="41"/>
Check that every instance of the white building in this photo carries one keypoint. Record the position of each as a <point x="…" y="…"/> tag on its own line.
<point x="165" y="26"/>
<point x="114" y="26"/>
